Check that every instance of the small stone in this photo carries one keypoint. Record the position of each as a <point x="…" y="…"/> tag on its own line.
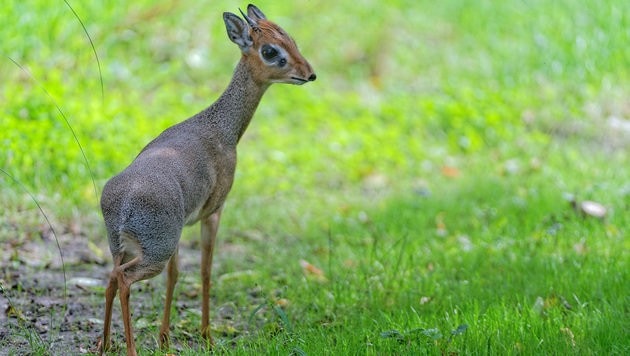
<point x="593" y="209"/>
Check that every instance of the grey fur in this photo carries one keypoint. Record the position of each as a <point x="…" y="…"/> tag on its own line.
<point x="189" y="168"/>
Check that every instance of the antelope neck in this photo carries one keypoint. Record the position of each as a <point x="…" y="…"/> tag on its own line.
<point x="231" y="113"/>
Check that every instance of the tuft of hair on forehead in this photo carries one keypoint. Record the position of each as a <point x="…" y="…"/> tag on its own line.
<point x="271" y="30"/>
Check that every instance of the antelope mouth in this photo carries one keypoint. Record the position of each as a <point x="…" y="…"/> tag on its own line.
<point x="298" y="80"/>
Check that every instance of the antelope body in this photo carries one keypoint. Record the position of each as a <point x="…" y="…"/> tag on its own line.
<point x="184" y="175"/>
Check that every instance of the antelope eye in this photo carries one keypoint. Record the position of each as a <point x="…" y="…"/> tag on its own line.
<point x="268" y="52"/>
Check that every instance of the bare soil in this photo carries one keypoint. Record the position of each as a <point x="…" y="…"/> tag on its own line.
<point x="44" y="312"/>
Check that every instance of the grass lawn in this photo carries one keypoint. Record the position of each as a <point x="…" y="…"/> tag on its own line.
<point x="415" y="199"/>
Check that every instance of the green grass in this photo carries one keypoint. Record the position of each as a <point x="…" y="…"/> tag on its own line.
<point x="425" y="171"/>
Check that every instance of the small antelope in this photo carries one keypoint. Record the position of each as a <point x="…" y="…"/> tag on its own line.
<point x="184" y="175"/>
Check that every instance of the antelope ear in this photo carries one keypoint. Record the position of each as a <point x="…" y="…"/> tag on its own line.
<point x="255" y="13"/>
<point x="237" y="31"/>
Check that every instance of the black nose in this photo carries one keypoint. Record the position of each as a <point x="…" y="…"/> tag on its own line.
<point x="312" y="77"/>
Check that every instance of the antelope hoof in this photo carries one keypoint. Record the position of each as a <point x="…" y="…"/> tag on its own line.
<point x="101" y="347"/>
<point x="206" y="335"/>
<point x="164" y="340"/>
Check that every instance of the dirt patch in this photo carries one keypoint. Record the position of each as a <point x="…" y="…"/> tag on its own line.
<point x="43" y="312"/>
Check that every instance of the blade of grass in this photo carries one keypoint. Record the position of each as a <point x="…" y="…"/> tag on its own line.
<point x="98" y="62"/>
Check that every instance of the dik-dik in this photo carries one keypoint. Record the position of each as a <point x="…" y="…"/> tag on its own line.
<point x="184" y="175"/>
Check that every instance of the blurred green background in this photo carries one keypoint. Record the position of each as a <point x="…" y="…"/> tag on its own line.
<point x="404" y="87"/>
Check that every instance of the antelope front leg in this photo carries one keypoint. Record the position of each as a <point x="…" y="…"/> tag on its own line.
<point x="171" y="279"/>
<point x="209" y="227"/>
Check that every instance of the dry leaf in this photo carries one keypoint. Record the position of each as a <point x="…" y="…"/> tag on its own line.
<point x="440" y="226"/>
<point x="312" y="271"/>
<point x="282" y="302"/>
<point x="569" y="334"/>
<point x="580" y="248"/>
<point x="13" y="312"/>
<point x="450" y="172"/>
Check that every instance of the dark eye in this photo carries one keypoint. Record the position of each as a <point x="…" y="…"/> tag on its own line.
<point x="268" y="52"/>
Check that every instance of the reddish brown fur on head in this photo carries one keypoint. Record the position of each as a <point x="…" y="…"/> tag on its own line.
<point x="271" y="53"/>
